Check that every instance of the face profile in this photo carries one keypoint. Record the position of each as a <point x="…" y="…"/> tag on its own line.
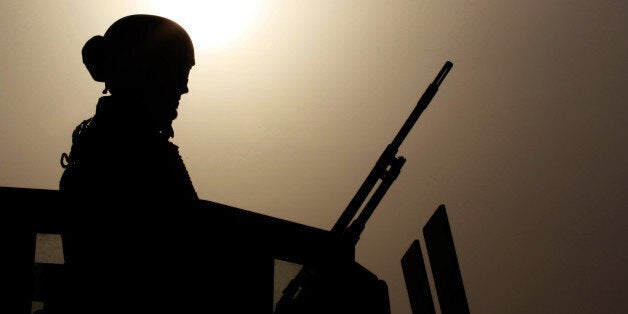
<point x="144" y="61"/>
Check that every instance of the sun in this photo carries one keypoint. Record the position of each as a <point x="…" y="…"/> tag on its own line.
<point x="210" y="23"/>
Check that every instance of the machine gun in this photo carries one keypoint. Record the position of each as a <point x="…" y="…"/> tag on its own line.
<point x="386" y="169"/>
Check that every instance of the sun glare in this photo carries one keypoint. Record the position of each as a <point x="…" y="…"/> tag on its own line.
<point x="210" y="23"/>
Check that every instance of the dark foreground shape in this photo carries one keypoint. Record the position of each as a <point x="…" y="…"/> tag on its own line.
<point x="198" y="256"/>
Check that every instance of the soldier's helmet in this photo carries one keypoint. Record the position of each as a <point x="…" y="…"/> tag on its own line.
<point x="136" y="45"/>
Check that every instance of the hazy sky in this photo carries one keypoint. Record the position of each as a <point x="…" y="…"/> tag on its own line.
<point x="292" y="102"/>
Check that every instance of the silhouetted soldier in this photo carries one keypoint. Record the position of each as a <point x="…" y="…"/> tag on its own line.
<point x="124" y="149"/>
<point x="128" y="246"/>
<point x="123" y="173"/>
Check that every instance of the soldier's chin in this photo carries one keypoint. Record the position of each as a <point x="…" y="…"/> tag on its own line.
<point x="169" y="115"/>
<point x="164" y="120"/>
<point x="174" y="114"/>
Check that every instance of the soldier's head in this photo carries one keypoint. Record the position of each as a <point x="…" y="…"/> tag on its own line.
<point x="145" y="58"/>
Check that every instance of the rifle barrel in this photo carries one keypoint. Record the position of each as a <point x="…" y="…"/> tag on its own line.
<point x="423" y="102"/>
<point x="388" y="155"/>
<point x="386" y="168"/>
